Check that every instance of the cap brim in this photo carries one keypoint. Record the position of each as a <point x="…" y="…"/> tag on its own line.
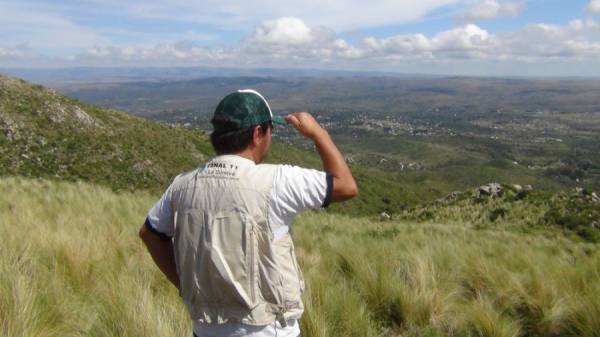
<point x="278" y="120"/>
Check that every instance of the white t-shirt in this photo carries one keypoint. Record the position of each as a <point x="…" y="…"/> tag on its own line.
<point x="295" y="189"/>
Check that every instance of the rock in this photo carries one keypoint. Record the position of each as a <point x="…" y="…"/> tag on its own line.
<point x="491" y="190"/>
<point x="82" y="117"/>
<point x="10" y="128"/>
<point x="384" y="216"/>
<point x="145" y="165"/>
<point x="56" y="112"/>
<point x="517" y="187"/>
<point x="528" y="188"/>
<point x="453" y="196"/>
<point x="10" y="82"/>
<point x="595" y="197"/>
<point x="579" y="190"/>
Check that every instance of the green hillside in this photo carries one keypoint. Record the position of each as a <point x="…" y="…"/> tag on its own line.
<point x="576" y="213"/>
<point x="47" y="135"/>
<point x="71" y="264"/>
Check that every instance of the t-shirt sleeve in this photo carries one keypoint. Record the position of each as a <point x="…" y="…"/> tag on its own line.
<point x="160" y="219"/>
<point x="297" y="189"/>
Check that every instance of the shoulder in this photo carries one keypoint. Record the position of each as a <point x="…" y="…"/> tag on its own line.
<point x="267" y="169"/>
<point x="185" y="175"/>
<point x="268" y="166"/>
<point x="286" y="171"/>
<point x="182" y="179"/>
<point x="296" y="176"/>
<point x="295" y="171"/>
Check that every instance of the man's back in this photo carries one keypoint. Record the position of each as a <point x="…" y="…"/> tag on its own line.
<point x="230" y="222"/>
<point x="221" y="234"/>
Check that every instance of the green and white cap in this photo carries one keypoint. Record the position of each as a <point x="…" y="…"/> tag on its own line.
<point x="241" y="110"/>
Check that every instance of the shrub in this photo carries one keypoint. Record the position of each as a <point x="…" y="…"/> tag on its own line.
<point x="497" y="213"/>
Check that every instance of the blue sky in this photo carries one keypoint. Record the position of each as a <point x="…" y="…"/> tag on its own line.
<point x="464" y="37"/>
<point x="541" y="11"/>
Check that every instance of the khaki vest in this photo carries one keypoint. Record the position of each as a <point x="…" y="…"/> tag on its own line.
<point x="230" y="267"/>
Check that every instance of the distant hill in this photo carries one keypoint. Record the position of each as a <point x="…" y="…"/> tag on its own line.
<point x="47" y="135"/>
<point x="61" y="76"/>
<point x="442" y="135"/>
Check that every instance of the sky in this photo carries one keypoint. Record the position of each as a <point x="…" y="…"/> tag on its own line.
<point x="456" y="37"/>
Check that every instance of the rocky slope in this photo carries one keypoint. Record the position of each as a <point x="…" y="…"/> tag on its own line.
<point x="45" y="134"/>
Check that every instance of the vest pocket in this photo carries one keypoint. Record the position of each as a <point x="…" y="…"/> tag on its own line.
<point x="227" y="261"/>
<point x="234" y="256"/>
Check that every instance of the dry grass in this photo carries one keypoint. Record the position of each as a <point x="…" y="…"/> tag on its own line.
<point x="71" y="265"/>
<point x="450" y="280"/>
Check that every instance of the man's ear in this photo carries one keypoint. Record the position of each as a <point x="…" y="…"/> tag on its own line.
<point x="256" y="135"/>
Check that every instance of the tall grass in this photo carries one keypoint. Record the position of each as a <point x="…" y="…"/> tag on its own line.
<point x="71" y="265"/>
<point x="449" y="280"/>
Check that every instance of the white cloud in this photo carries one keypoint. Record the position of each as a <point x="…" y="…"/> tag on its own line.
<point x="67" y="27"/>
<point x="290" y="42"/>
<point x="283" y="31"/>
<point x="22" y="56"/>
<point x="491" y="9"/>
<point x="594" y="6"/>
<point x="469" y="37"/>
<point x="12" y="52"/>
<point x="43" y="29"/>
<point x="576" y="41"/>
<point x="341" y="15"/>
<point x="18" y="52"/>
<point x="175" y="53"/>
<point x="460" y="42"/>
<point x="579" y="40"/>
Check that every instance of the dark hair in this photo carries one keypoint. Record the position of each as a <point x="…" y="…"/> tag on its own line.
<point x="236" y="141"/>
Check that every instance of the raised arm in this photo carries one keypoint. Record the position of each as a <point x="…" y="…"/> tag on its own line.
<point x="344" y="186"/>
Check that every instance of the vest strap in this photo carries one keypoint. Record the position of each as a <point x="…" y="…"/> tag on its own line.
<point x="279" y="309"/>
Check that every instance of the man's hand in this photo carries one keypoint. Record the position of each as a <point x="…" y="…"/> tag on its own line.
<point x="304" y="123"/>
<point x="344" y="186"/>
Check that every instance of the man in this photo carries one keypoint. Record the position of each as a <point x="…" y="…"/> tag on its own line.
<point x="220" y="233"/>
